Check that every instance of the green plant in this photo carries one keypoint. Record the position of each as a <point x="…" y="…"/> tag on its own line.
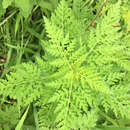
<point x="26" y="6"/>
<point x="83" y="79"/>
<point x="7" y="121"/>
<point x="21" y="29"/>
<point x="89" y="68"/>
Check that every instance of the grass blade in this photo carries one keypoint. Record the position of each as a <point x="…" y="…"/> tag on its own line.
<point x="36" y="118"/>
<point x="20" y="124"/>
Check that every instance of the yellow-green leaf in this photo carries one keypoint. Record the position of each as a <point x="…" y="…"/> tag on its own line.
<point x="6" y="3"/>
<point x="25" y="6"/>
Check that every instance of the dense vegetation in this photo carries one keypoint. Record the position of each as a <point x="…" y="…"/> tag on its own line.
<point x="65" y="65"/>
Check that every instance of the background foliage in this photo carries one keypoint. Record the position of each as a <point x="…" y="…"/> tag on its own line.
<point x="22" y="39"/>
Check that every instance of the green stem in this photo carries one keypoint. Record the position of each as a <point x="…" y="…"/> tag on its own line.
<point x="6" y="19"/>
<point x="109" y="118"/>
<point x="36" y="117"/>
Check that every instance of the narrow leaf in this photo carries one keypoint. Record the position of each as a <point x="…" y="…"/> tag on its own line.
<point x="20" y="124"/>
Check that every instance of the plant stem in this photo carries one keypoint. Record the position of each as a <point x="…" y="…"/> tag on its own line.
<point x="98" y="14"/>
<point x="5" y="20"/>
<point x="108" y="118"/>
